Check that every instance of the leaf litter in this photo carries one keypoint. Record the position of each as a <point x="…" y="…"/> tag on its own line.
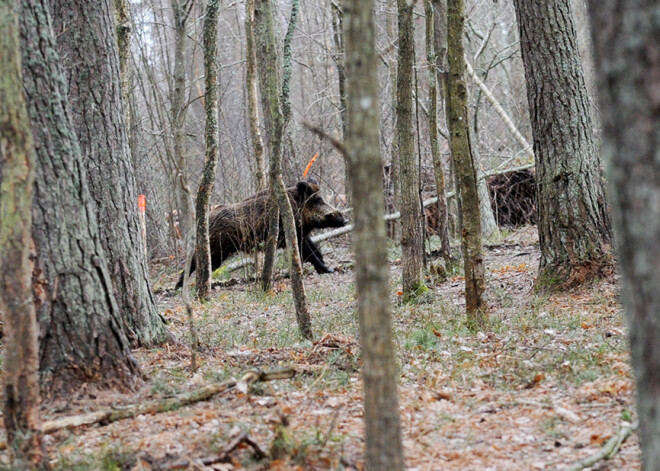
<point x="545" y="386"/>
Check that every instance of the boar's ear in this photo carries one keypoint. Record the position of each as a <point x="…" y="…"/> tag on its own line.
<point x="304" y="190"/>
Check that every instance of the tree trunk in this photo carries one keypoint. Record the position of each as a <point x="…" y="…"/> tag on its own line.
<point x="442" y="225"/>
<point x="411" y="216"/>
<point x="252" y="95"/>
<point x="379" y="371"/>
<point x="394" y="227"/>
<point x="123" y="28"/>
<point x="179" y="109"/>
<point x="340" y="63"/>
<point x="573" y="223"/>
<point x="466" y="172"/>
<point x="206" y="184"/>
<point x="277" y="111"/>
<point x="81" y="338"/>
<point x="17" y="158"/>
<point x="88" y="47"/>
<point x="627" y="46"/>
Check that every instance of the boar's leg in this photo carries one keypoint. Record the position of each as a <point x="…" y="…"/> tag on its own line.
<point x="312" y="254"/>
<point x="179" y="283"/>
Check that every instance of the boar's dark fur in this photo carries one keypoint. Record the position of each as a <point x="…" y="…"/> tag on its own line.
<point x="243" y="227"/>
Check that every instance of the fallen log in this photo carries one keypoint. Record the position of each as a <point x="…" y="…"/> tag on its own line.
<point x="153" y="407"/>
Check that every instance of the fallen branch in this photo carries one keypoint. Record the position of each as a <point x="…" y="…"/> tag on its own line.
<point x="222" y="457"/>
<point x="153" y="407"/>
<point x="609" y="450"/>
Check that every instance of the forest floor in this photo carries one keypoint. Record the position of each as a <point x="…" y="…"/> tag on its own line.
<point x="545" y="386"/>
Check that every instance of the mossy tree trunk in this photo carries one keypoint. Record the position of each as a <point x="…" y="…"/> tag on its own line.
<point x="379" y="371"/>
<point x="411" y="214"/>
<point x="20" y="366"/>
<point x="253" y="96"/>
<point x="573" y="221"/>
<point x="627" y="48"/>
<point x="81" y="339"/>
<point x="88" y="48"/>
<point x="207" y="181"/>
<point x="466" y="171"/>
<point x="442" y="226"/>
<point x="277" y="112"/>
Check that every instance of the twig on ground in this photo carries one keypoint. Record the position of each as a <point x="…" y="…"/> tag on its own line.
<point x="222" y="457"/>
<point x="609" y="450"/>
<point x="153" y="407"/>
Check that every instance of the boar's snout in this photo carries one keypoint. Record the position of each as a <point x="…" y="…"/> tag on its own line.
<point x="335" y="219"/>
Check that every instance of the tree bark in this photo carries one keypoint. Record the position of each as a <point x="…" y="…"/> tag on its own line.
<point x="17" y="157"/>
<point x="466" y="172"/>
<point x="253" y="96"/>
<point x="88" y="48"/>
<point x="122" y="11"/>
<point x="442" y="225"/>
<point x="411" y="219"/>
<point x="339" y="57"/>
<point x="573" y="222"/>
<point x="627" y="46"/>
<point x="179" y="110"/>
<point x="382" y="423"/>
<point x="277" y="111"/>
<point x="81" y="338"/>
<point x="206" y="184"/>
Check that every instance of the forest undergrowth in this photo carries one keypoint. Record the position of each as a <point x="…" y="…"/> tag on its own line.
<point x="546" y="385"/>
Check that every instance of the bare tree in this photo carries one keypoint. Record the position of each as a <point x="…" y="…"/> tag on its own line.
<point x="81" y="336"/>
<point x="442" y="226"/>
<point x="411" y="216"/>
<point x="211" y="160"/>
<point x="17" y="157"/>
<point x="276" y="118"/>
<point x="253" y="96"/>
<point x="382" y="423"/>
<point x="627" y="46"/>
<point x="573" y="222"/>
<point x="466" y="172"/>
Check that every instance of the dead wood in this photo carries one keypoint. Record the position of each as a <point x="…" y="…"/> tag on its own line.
<point x="222" y="457"/>
<point x="608" y="451"/>
<point x="153" y="407"/>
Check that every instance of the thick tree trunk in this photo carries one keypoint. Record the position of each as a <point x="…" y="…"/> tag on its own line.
<point x="627" y="46"/>
<point x="277" y="111"/>
<point x="573" y="222"/>
<point x="81" y="338"/>
<point x="466" y="172"/>
<point x="206" y="184"/>
<point x="381" y="410"/>
<point x="442" y="225"/>
<point x="253" y="96"/>
<point x="411" y="215"/>
<point x="20" y="368"/>
<point x="87" y="42"/>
